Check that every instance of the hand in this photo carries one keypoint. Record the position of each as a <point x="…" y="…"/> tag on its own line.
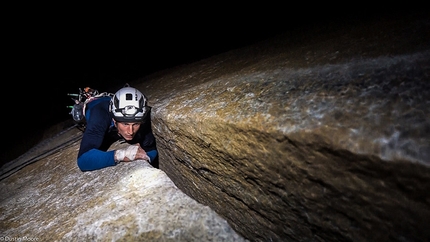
<point x="132" y="152"/>
<point x="141" y="154"/>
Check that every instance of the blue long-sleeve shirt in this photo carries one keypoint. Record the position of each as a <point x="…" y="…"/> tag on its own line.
<point x="100" y="134"/>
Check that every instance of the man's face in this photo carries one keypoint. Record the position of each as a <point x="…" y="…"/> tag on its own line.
<point x="127" y="130"/>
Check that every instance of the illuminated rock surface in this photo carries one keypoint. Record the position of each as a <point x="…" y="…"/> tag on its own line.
<point x="52" y="200"/>
<point x="321" y="137"/>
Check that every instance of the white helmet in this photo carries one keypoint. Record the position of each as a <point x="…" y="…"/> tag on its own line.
<point x="128" y="105"/>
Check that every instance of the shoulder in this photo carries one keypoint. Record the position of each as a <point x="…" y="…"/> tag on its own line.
<point x="98" y="110"/>
<point x="102" y="103"/>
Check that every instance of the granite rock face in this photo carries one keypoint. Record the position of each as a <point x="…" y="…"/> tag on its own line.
<point x="324" y="137"/>
<point x="52" y="200"/>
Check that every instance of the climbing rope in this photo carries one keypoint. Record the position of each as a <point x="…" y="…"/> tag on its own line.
<point x="14" y="166"/>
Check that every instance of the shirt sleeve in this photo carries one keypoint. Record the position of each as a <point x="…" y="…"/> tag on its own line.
<point x="95" y="159"/>
<point x="92" y="154"/>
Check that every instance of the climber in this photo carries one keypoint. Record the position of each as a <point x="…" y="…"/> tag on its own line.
<point x="125" y="116"/>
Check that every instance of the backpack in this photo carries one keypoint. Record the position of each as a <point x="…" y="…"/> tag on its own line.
<point x="81" y="100"/>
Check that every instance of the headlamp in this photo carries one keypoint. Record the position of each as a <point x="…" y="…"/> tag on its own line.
<point x="129" y="111"/>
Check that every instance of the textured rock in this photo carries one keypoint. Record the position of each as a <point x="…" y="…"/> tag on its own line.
<point x="52" y="200"/>
<point x="326" y="137"/>
<point x="323" y="136"/>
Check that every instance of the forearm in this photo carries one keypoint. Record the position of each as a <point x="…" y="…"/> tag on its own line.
<point x="96" y="159"/>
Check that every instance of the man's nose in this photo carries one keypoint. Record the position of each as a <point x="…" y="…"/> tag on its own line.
<point x="130" y="129"/>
